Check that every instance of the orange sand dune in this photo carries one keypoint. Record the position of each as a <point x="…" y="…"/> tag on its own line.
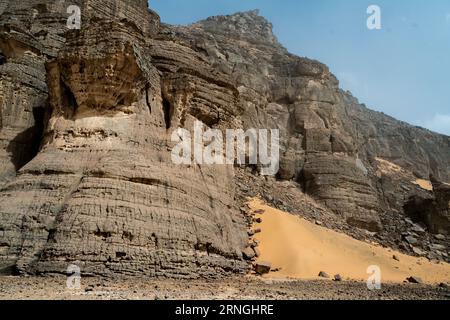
<point x="302" y="249"/>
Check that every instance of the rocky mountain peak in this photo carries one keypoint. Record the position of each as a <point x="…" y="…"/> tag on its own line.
<point x="248" y="25"/>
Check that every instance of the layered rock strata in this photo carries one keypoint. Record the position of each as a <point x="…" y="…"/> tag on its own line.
<point x="86" y="118"/>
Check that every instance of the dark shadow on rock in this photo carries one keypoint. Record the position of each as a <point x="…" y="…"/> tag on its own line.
<point x="2" y="59"/>
<point x="9" y="271"/>
<point x="168" y="112"/>
<point x="25" y="146"/>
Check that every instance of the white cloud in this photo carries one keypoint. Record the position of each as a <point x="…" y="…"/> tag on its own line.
<point x="439" y="123"/>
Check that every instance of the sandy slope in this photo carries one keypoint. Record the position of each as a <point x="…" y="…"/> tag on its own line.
<point x="303" y="249"/>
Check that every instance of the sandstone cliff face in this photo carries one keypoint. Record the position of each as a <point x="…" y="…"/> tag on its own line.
<point x="86" y="118"/>
<point x="102" y="192"/>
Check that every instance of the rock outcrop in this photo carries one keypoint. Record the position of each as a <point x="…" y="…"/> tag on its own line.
<point x="433" y="209"/>
<point x="86" y="118"/>
<point x="102" y="192"/>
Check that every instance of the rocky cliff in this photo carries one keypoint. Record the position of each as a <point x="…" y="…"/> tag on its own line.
<point x="86" y="118"/>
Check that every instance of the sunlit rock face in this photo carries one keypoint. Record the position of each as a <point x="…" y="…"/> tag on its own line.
<point x="102" y="191"/>
<point x="86" y="118"/>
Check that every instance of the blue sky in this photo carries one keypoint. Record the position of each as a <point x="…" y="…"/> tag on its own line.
<point x="402" y="69"/>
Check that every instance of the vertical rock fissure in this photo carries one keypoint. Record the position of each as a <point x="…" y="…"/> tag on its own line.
<point x="147" y="97"/>
<point x="39" y="126"/>
<point x="168" y="110"/>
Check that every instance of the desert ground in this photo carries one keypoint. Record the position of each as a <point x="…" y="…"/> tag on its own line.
<point x="235" y="288"/>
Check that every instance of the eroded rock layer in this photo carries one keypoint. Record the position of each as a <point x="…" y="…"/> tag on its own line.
<point x="102" y="192"/>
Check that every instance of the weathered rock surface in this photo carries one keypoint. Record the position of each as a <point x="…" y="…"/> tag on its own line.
<point x="86" y="118"/>
<point x="102" y="192"/>
<point x="433" y="209"/>
<point x="329" y="141"/>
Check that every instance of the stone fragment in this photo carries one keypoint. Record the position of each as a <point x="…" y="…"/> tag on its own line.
<point x="248" y="253"/>
<point x="414" y="279"/>
<point x="323" y="274"/>
<point x="263" y="267"/>
<point x="438" y="247"/>
<point x="337" y="278"/>
<point x="411" y="240"/>
<point x="440" y="237"/>
<point x="419" y="251"/>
